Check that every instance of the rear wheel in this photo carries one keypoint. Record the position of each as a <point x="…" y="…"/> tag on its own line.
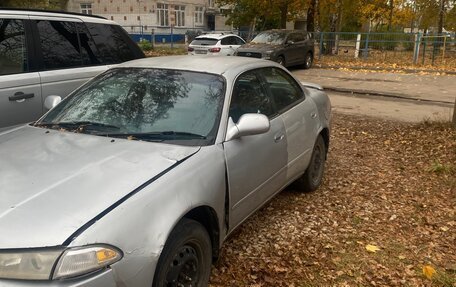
<point x="308" y="61"/>
<point x="313" y="176"/>
<point x="186" y="257"/>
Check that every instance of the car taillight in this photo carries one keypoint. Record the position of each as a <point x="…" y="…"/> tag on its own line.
<point x="214" y="50"/>
<point x="190" y="49"/>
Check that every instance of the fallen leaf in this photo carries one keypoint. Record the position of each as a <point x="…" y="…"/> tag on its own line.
<point x="372" y="248"/>
<point x="428" y="271"/>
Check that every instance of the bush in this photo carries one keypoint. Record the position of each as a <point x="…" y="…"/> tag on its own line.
<point x="145" y="45"/>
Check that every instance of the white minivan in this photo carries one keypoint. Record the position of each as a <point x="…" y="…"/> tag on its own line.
<point x="47" y="53"/>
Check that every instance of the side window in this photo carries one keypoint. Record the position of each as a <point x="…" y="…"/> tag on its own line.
<point x="239" y="41"/>
<point x="299" y="37"/>
<point x="89" y="52"/>
<point x="225" y="41"/>
<point x="249" y="97"/>
<point x="111" y="43"/>
<point x="284" y="89"/>
<point x="59" y="44"/>
<point x="13" y="52"/>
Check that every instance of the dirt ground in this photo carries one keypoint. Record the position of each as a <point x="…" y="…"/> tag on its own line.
<point x="384" y="216"/>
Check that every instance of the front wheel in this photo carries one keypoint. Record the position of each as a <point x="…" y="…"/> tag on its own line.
<point x="186" y="257"/>
<point x="313" y="176"/>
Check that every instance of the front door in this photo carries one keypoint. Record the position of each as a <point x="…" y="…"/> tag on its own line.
<point x="256" y="164"/>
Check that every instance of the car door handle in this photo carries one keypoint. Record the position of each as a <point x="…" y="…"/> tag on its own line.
<point x="278" y="138"/>
<point x="313" y="115"/>
<point x="21" y="96"/>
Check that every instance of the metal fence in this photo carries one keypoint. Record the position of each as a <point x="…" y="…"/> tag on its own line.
<point x="391" y="48"/>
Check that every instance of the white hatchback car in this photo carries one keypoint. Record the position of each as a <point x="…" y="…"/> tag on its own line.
<point x="215" y="44"/>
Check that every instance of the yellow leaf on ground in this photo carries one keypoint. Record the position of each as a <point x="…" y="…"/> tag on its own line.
<point x="428" y="271"/>
<point x="372" y="248"/>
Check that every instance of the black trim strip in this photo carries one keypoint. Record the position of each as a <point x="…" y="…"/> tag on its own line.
<point x="120" y="201"/>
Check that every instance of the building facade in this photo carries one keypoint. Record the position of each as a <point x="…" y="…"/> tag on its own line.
<point x="147" y="16"/>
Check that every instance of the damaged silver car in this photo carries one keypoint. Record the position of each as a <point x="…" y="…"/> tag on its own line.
<point x="137" y="177"/>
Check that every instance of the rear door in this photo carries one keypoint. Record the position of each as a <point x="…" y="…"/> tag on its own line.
<point x="256" y="164"/>
<point x="20" y="92"/>
<point x="299" y="116"/>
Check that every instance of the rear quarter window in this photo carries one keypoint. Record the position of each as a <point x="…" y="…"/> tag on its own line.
<point x="113" y="44"/>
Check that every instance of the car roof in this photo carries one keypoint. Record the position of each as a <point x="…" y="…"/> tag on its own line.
<point x="216" y="36"/>
<point x="214" y="65"/>
<point x="56" y="14"/>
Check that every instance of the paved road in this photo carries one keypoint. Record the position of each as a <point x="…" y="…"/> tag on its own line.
<point x="405" y="97"/>
<point x="390" y="108"/>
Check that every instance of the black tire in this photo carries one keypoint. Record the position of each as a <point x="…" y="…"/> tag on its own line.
<point x="308" y="61"/>
<point x="313" y="176"/>
<point x="186" y="258"/>
<point x="281" y="60"/>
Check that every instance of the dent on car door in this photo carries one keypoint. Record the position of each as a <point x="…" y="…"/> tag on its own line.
<point x="256" y="164"/>
<point x="20" y="92"/>
<point x="299" y="116"/>
<point x="65" y="65"/>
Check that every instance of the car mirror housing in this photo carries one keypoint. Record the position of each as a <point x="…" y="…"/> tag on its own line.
<point x="51" y="101"/>
<point x="248" y="124"/>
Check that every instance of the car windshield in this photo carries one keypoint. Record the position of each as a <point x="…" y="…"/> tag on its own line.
<point x="270" y="37"/>
<point x="204" y="42"/>
<point x="145" y="104"/>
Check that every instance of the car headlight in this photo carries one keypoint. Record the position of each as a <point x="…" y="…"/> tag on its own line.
<point x="267" y="55"/>
<point x="38" y="264"/>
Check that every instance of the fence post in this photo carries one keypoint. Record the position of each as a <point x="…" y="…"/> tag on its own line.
<point x="172" y="40"/>
<point x="366" y="48"/>
<point x="358" y="45"/>
<point x="416" y="50"/>
<point x="152" y="40"/>
<point x="321" y="46"/>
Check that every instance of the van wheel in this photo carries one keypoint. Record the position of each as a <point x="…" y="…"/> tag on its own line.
<point x="313" y="176"/>
<point x="186" y="257"/>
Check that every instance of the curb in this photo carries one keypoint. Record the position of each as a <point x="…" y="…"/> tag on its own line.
<point x="411" y="71"/>
<point x="388" y="95"/>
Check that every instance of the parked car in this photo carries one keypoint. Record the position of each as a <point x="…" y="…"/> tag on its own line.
<point x="47" y="53"/>
<point x="215" y="44"/>
<point x="286" y="47"/>
<point x="137" y="177"/>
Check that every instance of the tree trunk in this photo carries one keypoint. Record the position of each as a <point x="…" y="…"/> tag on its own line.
<point x="390" y="17"/>
<point x="311" y="16"/>
<point x="283" y="16"/>
<point x="441" y="15"/>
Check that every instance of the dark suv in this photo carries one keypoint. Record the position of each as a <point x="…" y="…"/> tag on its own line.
<point x="287" y="47"/>
<point x="50" y="54"/>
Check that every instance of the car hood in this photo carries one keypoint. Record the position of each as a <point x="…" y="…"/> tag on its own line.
<point x="53" y="182"/>
<point x="252" y="47"/>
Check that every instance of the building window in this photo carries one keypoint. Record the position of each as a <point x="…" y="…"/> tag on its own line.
<point x="86" y="8"/>
<point x="131" y="8"/>
<point x="118" y="9"/>
<point x="112" y="17"/>
<point x="199" y="15"/>
<point x="105" y="9"/>
<point x="210" y="3"/>
<point x="179" y="13"/>
<point x="125" y="18"/>
<point x="138" y="18"/>
<point x="145" y="8"/>
<point x="162" y="14"/>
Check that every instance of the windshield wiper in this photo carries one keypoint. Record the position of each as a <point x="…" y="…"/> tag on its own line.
<point x="77" y="125"/>
<point x="154" y="136"/>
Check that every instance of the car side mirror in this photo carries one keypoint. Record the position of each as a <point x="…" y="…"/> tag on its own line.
<point x="51" y="101"/>
<point x="248" y="124"/>
<point x="290" y="43"/>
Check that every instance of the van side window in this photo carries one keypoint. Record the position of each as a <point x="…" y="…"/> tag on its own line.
<point x="59" y="44"/>
<point x="111" y="44"/>
<point x="13" y="52"/>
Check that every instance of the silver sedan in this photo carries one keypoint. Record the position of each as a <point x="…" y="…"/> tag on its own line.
<point x="138" y="177"/>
